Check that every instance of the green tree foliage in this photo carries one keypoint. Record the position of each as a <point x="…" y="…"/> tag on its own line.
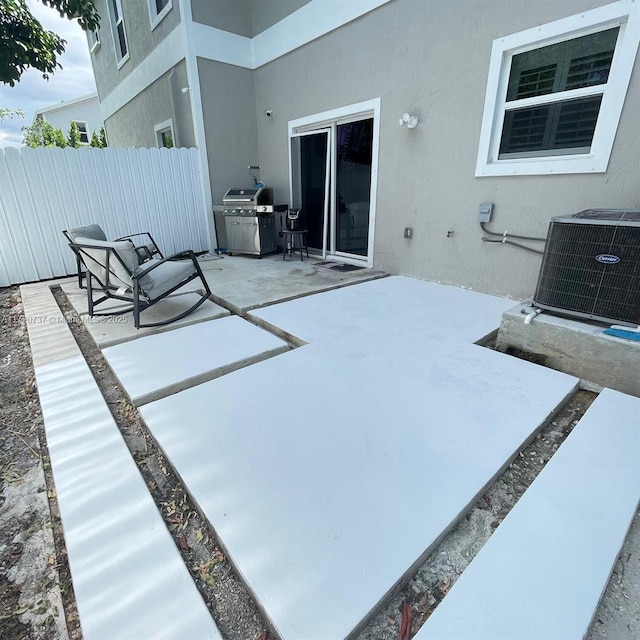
<point x="8" y="114"/>
<point x="25" y="43"/>
<point x="42" y="134"/>
<point x="99" y="140"/>
<point x="74" y="139"/>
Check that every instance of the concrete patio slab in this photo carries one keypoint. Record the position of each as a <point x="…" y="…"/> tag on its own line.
<point x="157" y="365"/>
<point x="406" y="308"/>
<point x="543" y="572"/>
<point x="111" y="330"/>
<point x="129" y="579"/>
<point x="328" y="472"/>
<point x="246" y="283"/>
<point x="78" y="299"/>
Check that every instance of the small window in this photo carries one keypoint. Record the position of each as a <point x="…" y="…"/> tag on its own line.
<point x="164" y="135"/>
<point x="554" y="100"/>
<point x="94" y="40"/>
<point x="84" y="132"/>
<point x="119" y="33"/>
<point x="158" y="9"/>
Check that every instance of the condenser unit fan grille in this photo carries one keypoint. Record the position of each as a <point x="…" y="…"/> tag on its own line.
<point x="592" y="270"/>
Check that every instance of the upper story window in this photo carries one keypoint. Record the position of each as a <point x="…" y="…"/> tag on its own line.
<point x="119" y="33"/>
<point x="555" y="94"/>
<point x="158" y="9"/>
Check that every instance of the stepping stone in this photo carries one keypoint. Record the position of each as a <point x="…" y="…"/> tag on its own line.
<point x="157" y="365"/>
<point x="129" y="579"/>
<point x="542" y="573"/>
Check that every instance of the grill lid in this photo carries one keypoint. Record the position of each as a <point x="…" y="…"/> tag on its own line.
<point x="252" y="196"/>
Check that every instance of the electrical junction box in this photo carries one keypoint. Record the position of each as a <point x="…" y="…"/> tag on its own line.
<point x="484" y="212"/>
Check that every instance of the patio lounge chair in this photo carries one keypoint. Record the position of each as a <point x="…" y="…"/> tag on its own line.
<point x="114" y="269"/>
<point x="144" y="244"/>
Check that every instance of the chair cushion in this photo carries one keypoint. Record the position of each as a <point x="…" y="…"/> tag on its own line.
<point x="93" y="231"/>
<point x="164" y="277"/>
<point x="94" y="256"/>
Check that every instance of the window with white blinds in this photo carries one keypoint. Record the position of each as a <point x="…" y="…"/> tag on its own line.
<point x="532" y="124"/>
<point x="555" y="93"/>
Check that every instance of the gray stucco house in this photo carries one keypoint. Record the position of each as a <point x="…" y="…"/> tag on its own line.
<point x="381" y="115"/>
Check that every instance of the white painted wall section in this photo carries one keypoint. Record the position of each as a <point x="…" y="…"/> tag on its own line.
<point x="219" y="45"/>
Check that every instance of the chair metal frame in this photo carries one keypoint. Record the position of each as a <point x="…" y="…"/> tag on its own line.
<point x="143" y="251"/>
<point x="139" y="299"/>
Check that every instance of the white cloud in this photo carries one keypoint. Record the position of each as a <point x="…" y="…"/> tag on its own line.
<point x="33" y="92"/>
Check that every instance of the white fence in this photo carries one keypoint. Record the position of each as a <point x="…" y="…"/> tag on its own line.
<point x="43" y="191"/>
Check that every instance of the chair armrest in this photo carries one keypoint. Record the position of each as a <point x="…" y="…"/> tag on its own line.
<point x="154" y="264"/>
<point x="145" y="248"/>
<point x="135" y="235"/>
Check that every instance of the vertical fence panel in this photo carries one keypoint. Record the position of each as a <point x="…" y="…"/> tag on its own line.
<point x="43" y="191"/>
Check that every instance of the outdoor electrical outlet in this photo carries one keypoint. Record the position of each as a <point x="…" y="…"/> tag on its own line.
<point x="485" y="211"/>
<point x="408" y="232"/>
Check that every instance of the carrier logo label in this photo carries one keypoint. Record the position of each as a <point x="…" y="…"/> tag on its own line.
<point x="607" y="258"/>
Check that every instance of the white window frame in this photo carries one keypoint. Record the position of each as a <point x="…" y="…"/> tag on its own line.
<point x="86" y="130"/>
<point x="115" y="22"/>
<point x="160" y="128"/>
<point x="94" y="40"/>
<point x="624" y="14"/>
<point x="156" y="18"/>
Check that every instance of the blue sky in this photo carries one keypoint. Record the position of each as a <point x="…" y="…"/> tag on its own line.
<point x="75" y="79"/>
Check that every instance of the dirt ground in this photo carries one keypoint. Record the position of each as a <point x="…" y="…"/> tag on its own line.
<point x="36" y="594"/>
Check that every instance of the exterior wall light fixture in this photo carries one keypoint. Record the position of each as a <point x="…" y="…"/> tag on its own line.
<point x="411" y="121"/>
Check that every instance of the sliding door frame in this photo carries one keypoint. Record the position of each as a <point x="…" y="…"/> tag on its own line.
<point x="330" y="120"/>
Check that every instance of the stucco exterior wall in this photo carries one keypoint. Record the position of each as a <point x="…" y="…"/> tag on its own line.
<point x="266" y="14"/>
<point x="141" y="40"/>
<point x="244" y="17"/>
<point x="228" y="15"/>
<point x="229" y="109"/>
<point x="133" y="125"/>
<point x="432" y="59"/>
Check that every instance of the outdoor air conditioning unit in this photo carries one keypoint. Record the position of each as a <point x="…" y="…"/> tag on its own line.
<point x="591" y="266"/>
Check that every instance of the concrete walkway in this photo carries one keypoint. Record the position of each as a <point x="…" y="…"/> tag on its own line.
<point x="129" y="579"/>
<point x="352" y="450"/>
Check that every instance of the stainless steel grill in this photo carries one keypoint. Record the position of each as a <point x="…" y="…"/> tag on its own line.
<point x="250" y="221"/>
